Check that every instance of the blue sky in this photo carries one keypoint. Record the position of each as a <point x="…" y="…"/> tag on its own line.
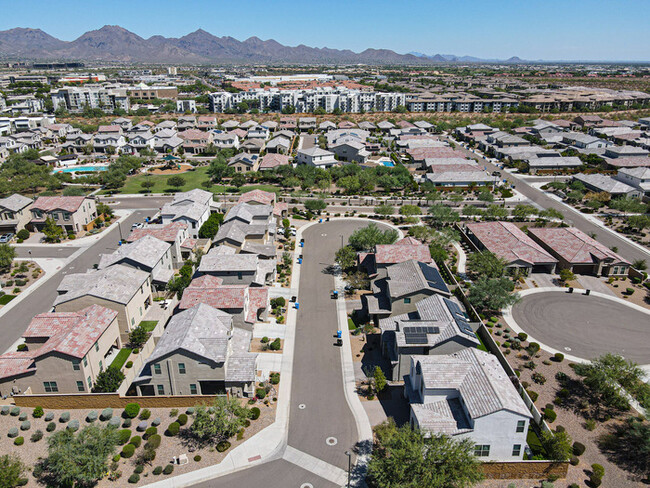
<point x="530" y="29"/>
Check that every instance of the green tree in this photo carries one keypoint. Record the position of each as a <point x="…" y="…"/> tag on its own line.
<point x="346" y="257"/>
<point x="317" y="205"/>
<point x="11" y="470"/>
<point x="7" y="255"/>
<point x="211" y="226"/>
<point x="384" y="210"/>
<point x="219" y="422"/>
<point x="379" y="379"/>
<point x="629" y="444"/>
<point x="79" y="459"/>
<point x="551" y="213"/>
<point x="558" y="445"/>
<point x="486" y="264"/>
<point x="442" y="215"/>
<point x="409" y="210"/>
<point x="404" y="458"/>
<point x="138" y="336"/>
<point x="640" y="264"/>
<point x="628" y="205"/>
<point x="366" y="238"/>
<point x="147" y="185"/>
<point x="238" y="180"/>
<point x="638" y="222"/>
<point x="567" y="275"/>
<point x="492" y="294"/>
<point x="421" y="233"/>
<point x="496" y="212"/>
<point x="176" y="181"/>
<point x="486" y="196"/>
<point x="522" y="211"/>
<point x="52" y="232"/>
<point x="108" y="381"/>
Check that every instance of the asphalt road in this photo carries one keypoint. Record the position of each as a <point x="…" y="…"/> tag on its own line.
<point x="571" y="216"/>
<point x="51" y="251"/>
<point x="15" y="321"/>
<point x="135" y="202"/>
<point x="317" y="381"/>
<point x="588" y="325"/>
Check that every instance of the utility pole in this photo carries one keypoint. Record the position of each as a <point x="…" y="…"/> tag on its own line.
<point x="349" y="455"/>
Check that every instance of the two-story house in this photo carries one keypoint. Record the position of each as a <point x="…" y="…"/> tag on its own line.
<point x="14" y="213"/>
<point x="73" y="214"/>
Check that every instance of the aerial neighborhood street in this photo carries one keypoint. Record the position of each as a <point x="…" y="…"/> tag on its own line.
<point x="255" y="263"/>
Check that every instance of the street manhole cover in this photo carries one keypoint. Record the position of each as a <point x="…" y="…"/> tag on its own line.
<point x="306" y="485"/>
<point x="567" y="348"/>
<point x="331" y="441"/>
<point x="302" y="406"/>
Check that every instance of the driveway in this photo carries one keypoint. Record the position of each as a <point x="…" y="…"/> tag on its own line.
<point x="585" y="326"/>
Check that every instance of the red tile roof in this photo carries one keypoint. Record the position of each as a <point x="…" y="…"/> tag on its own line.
<point x="273" y="160"/>
<point x="167" y="233"/>
<point x="15" y="363"/>
<point x="259" y="298"/>
<point x="408" y="241"/>
<point x="421" y="153"/>
<point x="509" y="242"/>
<point x="73" y="333"/>
<point x="279" y="208"/>
<point x="575" y="246"/>
<point x="47" y="204"/>
<point x="257" y="196"/>
<point x="220" y="296"/>
<point x="109" y="128"/>
<point x="398" y="253"/>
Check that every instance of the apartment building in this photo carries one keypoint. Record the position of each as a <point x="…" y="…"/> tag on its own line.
<point x="75" y="99"/>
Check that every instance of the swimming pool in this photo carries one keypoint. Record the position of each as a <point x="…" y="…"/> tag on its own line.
<point x="388" y="163"/>
<point x="76" y="169"/>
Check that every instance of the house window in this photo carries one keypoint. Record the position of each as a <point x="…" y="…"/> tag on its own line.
<point x="85" y="361"/>
<point x="97" y="346"/>
<point x="101" y="366"/>
<point x="156" y="368"/>
<point x="181" y="368"/>
<point x="521" y="425"/>
<point x="80" y="386"/>
<point x="516" y="450"/>
<point x="239" y="275"/>
<point x="193" y="389"/>
<point x="90" y="382"/>
<point x="75" y="365"/>
<point x="161" y="390"/>
<point x="50" y="387"/>
<point x="481" y="450"/>
<point x="407" y="301"/>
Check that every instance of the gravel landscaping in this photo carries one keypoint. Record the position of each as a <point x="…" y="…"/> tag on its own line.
<point x="30" y="452"/>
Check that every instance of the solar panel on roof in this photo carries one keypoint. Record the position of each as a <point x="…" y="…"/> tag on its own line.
<point x="415" y="338"/>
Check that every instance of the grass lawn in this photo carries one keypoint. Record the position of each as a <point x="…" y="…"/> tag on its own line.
<point x="121" y="357"/>
<point x="148" y="325"/>
<point x="4" y="299"/>
<point x="193" y="179"/>
<point x="534" y="443"/>
<point x="351" y="324"/>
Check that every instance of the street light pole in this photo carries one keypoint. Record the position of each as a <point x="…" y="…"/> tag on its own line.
<point x="341" y="241"/>
<point x="120" y="229"/>
<point x="349" y="455"/>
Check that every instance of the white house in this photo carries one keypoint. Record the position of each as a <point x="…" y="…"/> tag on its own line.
<point x="468" y="395"/>
<point x="315" y="156"/>
<point x="190" y="207"/>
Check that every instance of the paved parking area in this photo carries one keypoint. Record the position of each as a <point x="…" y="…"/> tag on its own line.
<point x="585" y="326"/>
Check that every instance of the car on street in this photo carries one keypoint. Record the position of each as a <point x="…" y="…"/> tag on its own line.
<point x="137" y="225"/>
<point x="6" y="237"/>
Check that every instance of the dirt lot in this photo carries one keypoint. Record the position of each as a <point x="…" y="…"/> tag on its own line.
<point x="27" y="271"/>
<point x="30" y="451"/>
<point x="641" y="295"/>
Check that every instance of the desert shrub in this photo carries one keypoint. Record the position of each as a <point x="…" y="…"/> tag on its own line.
<point x="155" y="422"/>
<point x="578" y="448"/>
<point x="533" y="395"/>
<point x="275" y="345"/>
<point x="197" y="458"/>
<point x="260" y="393"/>
<point x="538" y="378"/>
<point x="138" y="469"/>
<point x="116" y="458"/>
<point x="182" y="419"/>
<point x="15" y="411"/>
<point x="522" y="336"/>
<point x="5" y="410"/>
<point x="92" y="416"/>
<point x="128" y="451"/>
<point x="114" y="422"/>
<point x="25" y="425"/>
<point x="223" y="446"/>
<point x="598" y="470"/>
<point x="136" y="440"/>
<point x="169" y="469"/>
<point x="254" y="413"/>
<point x="107" y="414"/>
<point x="126" y="423"/>
<point x="50" y="427"/>
<point x="145" y="414"/>
<point x="247" y="423"/>
<point x="590" y="425"/>
<point x="264" y="340"/>
<point x="13" y="432"/>
<point x="173" y="412"/>
<point x="123" y="436"/>
<point x="574" y="460"/>
<point x="547" y="484"/>
<point x="142" y="426"/>
<point x="149" y="432"/>
<point x="558" y="357"/>
<point x="73" y="425"/>
<point x="129" y="364"/>
<point x="190" y="411"/>
<point x="157" y="470"/>
<point x="36" y="436"/>
<point x="561" y="376"/>
<point x="134" y="478"/>
<point x="65" y="417"/>
<point x="173" y="429"/>
<point x="19" y="441"/>
<point x="153" y="442"/>
<point x="550" y="415"/>
<point x="131" y="410"/>
<point x="38" y="412"/>
<point x="22" y="416"/>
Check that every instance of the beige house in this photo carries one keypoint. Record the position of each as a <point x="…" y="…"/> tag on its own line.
<point x="14" y="213"/>
<point x="121" y="288"/>
<point x="72" y="213"/>
<point x="65" y="352"/>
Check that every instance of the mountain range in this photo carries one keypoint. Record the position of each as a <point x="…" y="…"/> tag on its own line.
<point x="114" y="43"/>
